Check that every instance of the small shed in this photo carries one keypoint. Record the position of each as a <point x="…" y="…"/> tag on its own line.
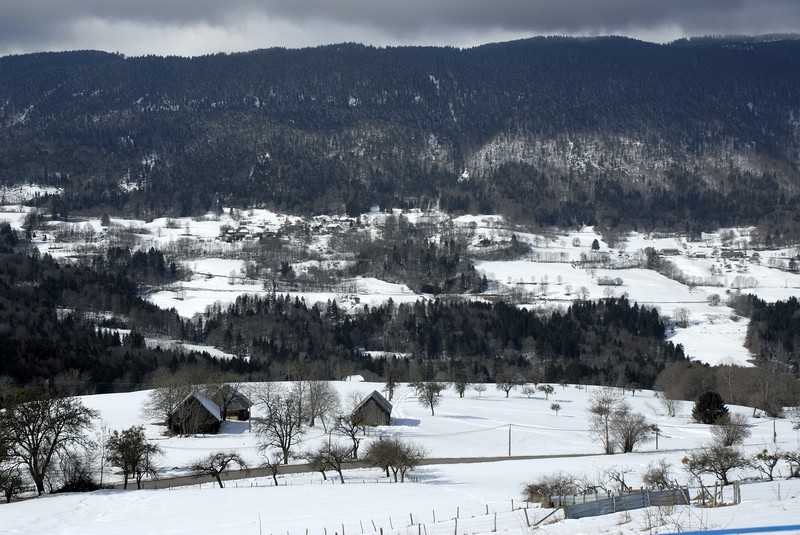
<point x="374" y="410"/>
<point x="195" y="414"/>
<point x="233" y="404"/>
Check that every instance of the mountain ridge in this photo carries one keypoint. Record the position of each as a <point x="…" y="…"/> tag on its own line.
<point x="540" y="121"/>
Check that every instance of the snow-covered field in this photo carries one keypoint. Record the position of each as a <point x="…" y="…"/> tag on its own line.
<point x="19" y="193"/>
<point x="443" y="491"/>
<point x="474" y="426"/>
<point x="712" y="335"/>
<point x="219" y="280"/>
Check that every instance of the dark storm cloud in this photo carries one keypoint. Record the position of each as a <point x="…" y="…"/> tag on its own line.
<point x="203" y="24"/>
<point x="720" y="16"/>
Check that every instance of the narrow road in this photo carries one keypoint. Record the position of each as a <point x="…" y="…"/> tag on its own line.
<point x="188" y="480"/>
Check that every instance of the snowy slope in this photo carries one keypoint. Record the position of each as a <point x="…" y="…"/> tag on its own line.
<point x="477" y="426"/>
<point x="437" y="493"/>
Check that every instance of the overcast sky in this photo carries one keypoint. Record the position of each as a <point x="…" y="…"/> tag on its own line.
<point x="191" y="27"/>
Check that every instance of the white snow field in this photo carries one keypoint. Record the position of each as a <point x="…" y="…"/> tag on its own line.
<point x="443" y="492"/>
<point x="712" y="335"/>
<point x="474" y="426"/>
<point x="20" y="193"/>
<point x="219" y="280"/>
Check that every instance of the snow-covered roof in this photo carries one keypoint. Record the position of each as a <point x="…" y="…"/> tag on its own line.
<point x="212" y="408"/>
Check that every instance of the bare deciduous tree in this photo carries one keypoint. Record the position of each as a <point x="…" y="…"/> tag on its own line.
<point x="391" y="383"/>
<point x="480" y="388"/>
<point x="130" y="451"/>
<point x="272" y="462"/>
<point x="225" y="392"/>
<point x="11" y="481"/>
<point x="217" y="463"/>
<point x="792" y="458"/>
<point x="765" y="462"/>
<point x="392" y="454"/>
<point x="40" y="428"/>
<point x="616" y="478"/>
<point x="322" y="401"/>
<point x="352" y="426"/>
<point x="604" y="404"/>
<point x="162" y="401"/>
<point x="430" y="394"/>
<point x="281" y="427"/>
<point x="543" y="489"/>
<point x="629" y="429"/>
<point x="507" y="380"/>
<point x="546" y="390"/>
<point x="681" y="317"/>
<point x="335" y="456"/>
<point x="731" y="430"/>
<point x="716" y="460"/>
<point x="659" y="476"/>
<point x="670" y="405"/>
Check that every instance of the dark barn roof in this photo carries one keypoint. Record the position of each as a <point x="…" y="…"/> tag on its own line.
<point x="379" y="399"/>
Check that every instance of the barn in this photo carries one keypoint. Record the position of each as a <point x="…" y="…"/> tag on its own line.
<point x="374" y="410"/>
<point x="195" y="414"/>
<point x="233" y="404"/>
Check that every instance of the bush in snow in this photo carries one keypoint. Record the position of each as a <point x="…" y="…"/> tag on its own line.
<point x="543" y="489"/>
<point x="730" y="430"/>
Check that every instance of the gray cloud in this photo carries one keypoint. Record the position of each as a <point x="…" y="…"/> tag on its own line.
<point x="198" y="26"/>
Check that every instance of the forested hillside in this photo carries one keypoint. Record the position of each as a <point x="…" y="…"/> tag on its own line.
<point x="607" y="342"/>
<point x="560" y="130"/>
<point x="50" y="315"/>
<point x="59" y="321"/>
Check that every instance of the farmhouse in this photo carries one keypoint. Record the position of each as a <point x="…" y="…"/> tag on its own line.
<point x="374" y="410"/>
<point x="195" y="414"/>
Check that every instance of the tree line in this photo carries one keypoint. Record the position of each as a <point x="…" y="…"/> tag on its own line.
<point x="611" y="341"/>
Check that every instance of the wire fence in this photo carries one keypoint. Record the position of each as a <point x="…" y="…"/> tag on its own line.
<point x="490" y="518"/>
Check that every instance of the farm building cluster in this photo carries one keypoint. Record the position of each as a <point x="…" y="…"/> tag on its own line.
<point x="203" y="413"/>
